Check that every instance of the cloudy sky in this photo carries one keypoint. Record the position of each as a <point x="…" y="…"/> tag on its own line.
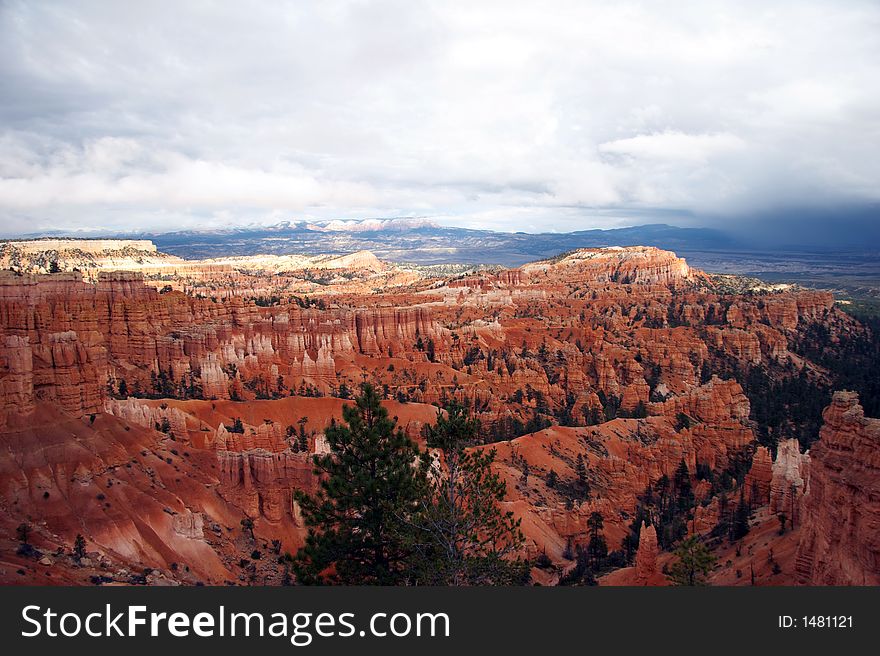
<point x="506" y="115"/>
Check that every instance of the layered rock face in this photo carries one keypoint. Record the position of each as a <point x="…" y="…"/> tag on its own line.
<point x="840" y="540"/>
<point x="81" y="337"/>
<point x="604" y="356"/>
<point x="759" y="480"/>
<point x="643" y="265"/>
<point x="89" y="255"/>
<point x="138" y="501"/>
<point x="16" y="377"/>
<point x="791" y="475"/>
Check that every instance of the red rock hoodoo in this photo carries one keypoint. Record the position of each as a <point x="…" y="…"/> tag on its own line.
<point x="840" y="537"/>
<point x="169" y="412"/>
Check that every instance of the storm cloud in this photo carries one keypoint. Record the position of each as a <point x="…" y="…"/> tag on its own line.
<point x="506" y="115"/>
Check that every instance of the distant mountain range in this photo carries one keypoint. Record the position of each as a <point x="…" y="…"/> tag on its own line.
<point x="852" y="272"/>
<point x="422" y="241"/>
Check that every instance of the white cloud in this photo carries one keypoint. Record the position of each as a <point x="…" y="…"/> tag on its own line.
<point x="675" y="146"/>
<point x="501" y="113"/>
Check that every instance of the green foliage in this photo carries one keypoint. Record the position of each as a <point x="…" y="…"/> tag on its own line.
<point x="237" y="426"/>
<point x="787" y="401"/>
<point x="343" y="392"/>
<point x="592" y="416"/>
<point x="851" y="356"/>
<point x="79" y="547"/>
<point x="460" y="534"/>
<point x="668" y="505"/>
<point x="509" y="428"/>
<point x="682" y="421"/>
<point x="543" y="561"/>
<point x="565" y="413"/>
<point x="741" y="518"/>
<point x="640" y="411"/>
<point x="597" y="547"/>
<point x="582" y="573"/>
<point x="610" y="405"/>
<point x="693" y="563"/>
<point x="783" y="519"/>
<point x="594" y="559"/>
<point x="682" y="483"/>
<point x="23" y="532"/>
<point x="358" y="520"/>
<point x="472" y="356"/>
<point x="583" y="485"/>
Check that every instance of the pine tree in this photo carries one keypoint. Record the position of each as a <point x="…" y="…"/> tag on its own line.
<point x="693" y="564"/>
<point x="741" y="518"/>
<point x="640" y="411"/>
<point x="79" y="547"/>
<point x="461" y="536"/>
<point x="682" y="484"/>
<point x="597" y="547"/>
<point x="581" y="470"/>
<point x="23" y="532"/>
<point x="303" y="440"/>
<point x="783" y="518"/>
<point x="369" y="491"/>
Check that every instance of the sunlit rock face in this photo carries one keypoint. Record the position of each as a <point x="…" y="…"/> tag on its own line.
<point x="192" y="396"/>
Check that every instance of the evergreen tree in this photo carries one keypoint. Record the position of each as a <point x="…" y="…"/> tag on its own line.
<point x="369" y="490"/>
<point x="597" y="547"/>
<point x="583" y="484"/>
<point x="783" y="518"/>
<point x="461" y="536"/>
<point x="23" y="532"/>
<point x="303" y="439"/>
<point x="683" y="487"/>
<point x="640" y="411"/>
<point x="741" y="518"/>
<point x="693" y="564"/>
<point x="79" y="547"/>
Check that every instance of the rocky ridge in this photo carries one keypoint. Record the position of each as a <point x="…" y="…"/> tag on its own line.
<point x="615" y="348"/>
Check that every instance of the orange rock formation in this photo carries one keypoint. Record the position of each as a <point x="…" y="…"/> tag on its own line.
<point x="840" y="536"/>
<point x="154" y="416"/>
